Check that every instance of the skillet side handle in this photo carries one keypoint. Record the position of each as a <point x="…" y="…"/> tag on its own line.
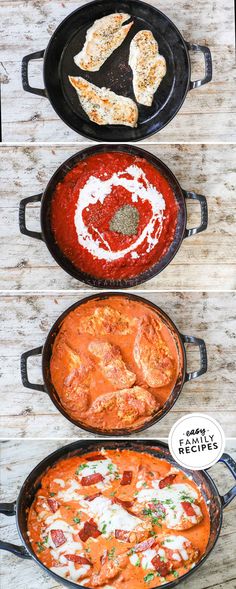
<point x="24" y="372"/>
<point x="231" y="465"/>
<point x="204" y="213"/>
<point x="10" y="509"/>
<point x="208" y="65"/>
<point x="22" y="215"/>
<point x="196" y="341"/>
<point x="19" y="551"/>
<point x="25" y="73"/>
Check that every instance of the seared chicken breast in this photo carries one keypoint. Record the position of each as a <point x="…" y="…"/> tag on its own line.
<point x="148" y="66"/>
<point x="103" y="106"/>
<point x="102" y="38"/>
<point x="112" y="364"/>
<point x="128" y="404"/>
<point x="151" y="354"/>
<point x="106" y="320"/>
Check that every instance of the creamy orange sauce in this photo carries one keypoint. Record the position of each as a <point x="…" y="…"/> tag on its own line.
<point x="64" y="504"/>
<point x="129" y="329"/>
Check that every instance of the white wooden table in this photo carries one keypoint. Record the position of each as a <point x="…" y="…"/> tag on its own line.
<point x="18" y="458"/>
<point x="208" y="113"/>
<point x="204" y="261"/>
<point x="26" y="320"/>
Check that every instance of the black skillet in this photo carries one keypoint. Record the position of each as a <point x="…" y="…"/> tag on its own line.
<point x="19" y="508"/>
<point x="183" y="376"/>
<point x="46" y="234"/>
<point x="68" y="40"/>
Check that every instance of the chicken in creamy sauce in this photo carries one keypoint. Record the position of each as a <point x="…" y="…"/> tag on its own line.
<point x="103" y="519"/>
<point x="114" y="363"/>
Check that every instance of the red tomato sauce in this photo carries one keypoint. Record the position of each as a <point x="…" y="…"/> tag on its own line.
<point x="97" y="217"/>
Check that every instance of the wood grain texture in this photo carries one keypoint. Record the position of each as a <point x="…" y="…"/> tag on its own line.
<point x="26" y="320"/>
<point x="208" y="113"/>
<point x="204" y="261"/>
<point x="19" y="457"/>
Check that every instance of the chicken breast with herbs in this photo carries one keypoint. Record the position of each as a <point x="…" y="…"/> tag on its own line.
<point x="102" y="38"/>
<point x="148" y="66"/>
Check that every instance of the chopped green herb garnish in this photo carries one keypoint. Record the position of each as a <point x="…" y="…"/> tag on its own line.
<point x="81" y="467"/>
<point x="176" y="574"/>
<point x="77" y="520"/>
<point x="149" y="577"/>
<point x="111" y="553"/>
<point x="138" y="562"/>
<point x="41" y="547"/>
<point x="52" y="494"/>
<point x="104" y="528"/>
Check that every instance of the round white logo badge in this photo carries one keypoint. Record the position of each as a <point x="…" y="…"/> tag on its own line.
<point x="196" y="441"/>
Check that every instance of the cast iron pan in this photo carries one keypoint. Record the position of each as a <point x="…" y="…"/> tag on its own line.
<point x="183" y="375"/>
<point x="45" y="216"/>
<point x="116" y="74"/>
<point x="19" y="508"/>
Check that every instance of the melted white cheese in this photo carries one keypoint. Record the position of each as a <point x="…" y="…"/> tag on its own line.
<point x="171" y="498"/>
<point x="147" y="557"/>
<point x="177" y="543"/>
<point x="111" y="516"/>
<point x="96" y="190"/>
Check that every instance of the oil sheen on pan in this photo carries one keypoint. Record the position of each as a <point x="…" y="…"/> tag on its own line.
<point x="114" y="215"/>
<point x="114" y="363"/>
<point x="118" y="518"/>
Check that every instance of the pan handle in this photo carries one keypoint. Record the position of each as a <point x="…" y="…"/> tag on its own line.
<point x="10" y="509"/>
<point x="208" y="64"/>
<point x="22" y="214"/>
<point x="25" y="73"/>
<point x="231" y="465"/>
<point x="204" y="212"/>
<point x="24" y="371"/>
<point x="196" y="341"/>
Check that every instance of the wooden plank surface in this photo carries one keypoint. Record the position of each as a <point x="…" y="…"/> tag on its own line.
<point x="204" y="261"/>
<point x="26" y="320"/>
<point x="208" y="112"/>
<point x="19" y="457"/>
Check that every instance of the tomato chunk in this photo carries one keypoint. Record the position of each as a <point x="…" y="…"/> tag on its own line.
<point x="95" y="457"/>
<point x="78" y="559"/>
<point x="127" y="477"/>
<point x="167" y="481"/>
<point x="53" y="504"/>
<point x="92" y="479"/>
<point x="122" y="535"/>
<point x="90" y="530"/>
<point x="92" y="497"/>
<point x="188" y="508"/>
<point x="58" y="537"/>
<point x="162" y="567"/>
<point x="125" y="504"/>
<point x="144" y="545"/>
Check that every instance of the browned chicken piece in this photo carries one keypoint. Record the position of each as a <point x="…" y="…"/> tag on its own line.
<point x="77" y="394"/>
<point x="109" y="570"/>
<point x="151" y="354"/>
<point x="76" y="384"/>
<point x="112" y="364"/>
<point x="130" y="404"/>
<point x="106" y="320"/>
